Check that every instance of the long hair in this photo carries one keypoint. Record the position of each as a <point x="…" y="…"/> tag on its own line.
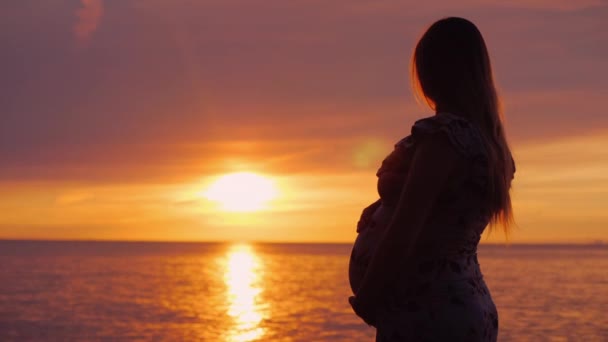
<point x="451" y="71"/>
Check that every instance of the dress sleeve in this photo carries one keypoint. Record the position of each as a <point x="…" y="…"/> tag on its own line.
<point x="462" y="135"/>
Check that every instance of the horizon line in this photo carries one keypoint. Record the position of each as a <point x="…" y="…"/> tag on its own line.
<point x="236" y="242"/>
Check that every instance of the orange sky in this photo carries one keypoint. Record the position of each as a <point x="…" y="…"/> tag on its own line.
<point x="117" y="115"/>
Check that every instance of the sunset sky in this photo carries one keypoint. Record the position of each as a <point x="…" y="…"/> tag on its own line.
<point x="117" y="117"/>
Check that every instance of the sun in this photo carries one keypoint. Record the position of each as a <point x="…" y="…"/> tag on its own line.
<point x="242" y="192"/>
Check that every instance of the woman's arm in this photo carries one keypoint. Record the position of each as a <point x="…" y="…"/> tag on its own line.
<point x="432" y="164"/>
<point x="366" y="215"/>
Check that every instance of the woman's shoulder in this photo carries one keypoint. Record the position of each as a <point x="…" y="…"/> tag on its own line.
<point x="462" y="135"/>
<point x="438" y="120"/>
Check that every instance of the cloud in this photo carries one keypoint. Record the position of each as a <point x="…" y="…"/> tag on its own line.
<point x="177" y="91"/>
<point x="89" y="17"/>
<point x="314" y="78"/>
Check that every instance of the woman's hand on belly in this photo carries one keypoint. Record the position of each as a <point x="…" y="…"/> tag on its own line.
<point x="366" y="215"/>
<point x="367" y="313"/>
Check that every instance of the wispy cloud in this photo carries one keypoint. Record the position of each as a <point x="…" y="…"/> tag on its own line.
<point x="89" y="17"/>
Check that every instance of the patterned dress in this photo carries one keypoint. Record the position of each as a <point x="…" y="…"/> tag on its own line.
<point x="442" y="296"/>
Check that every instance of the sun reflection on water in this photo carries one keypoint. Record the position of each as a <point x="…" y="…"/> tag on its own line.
<point x="243" y="281"/>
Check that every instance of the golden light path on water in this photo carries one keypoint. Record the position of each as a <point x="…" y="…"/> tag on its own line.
<point x="243" y="278"/>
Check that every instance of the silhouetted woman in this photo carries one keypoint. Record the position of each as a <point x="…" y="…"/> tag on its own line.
<point x="414" y="268"/>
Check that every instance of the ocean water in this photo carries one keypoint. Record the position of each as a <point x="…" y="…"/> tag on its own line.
<point x="88" y="291"/>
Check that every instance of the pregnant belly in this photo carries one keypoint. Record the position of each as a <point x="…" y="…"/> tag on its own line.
<point x="365" y="245"/>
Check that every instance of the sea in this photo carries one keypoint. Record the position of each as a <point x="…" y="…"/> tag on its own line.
<point x="149" y="291"/>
